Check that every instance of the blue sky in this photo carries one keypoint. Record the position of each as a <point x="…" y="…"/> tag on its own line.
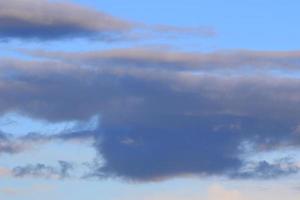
<point x="149" y="100"/>
<point x="253" y="24"/>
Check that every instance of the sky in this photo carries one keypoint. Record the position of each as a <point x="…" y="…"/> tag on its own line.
<point x="149" y="100"/>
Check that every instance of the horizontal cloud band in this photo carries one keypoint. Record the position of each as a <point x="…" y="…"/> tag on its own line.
<point x="51" y="20"/>
<point x="160" y="123"/>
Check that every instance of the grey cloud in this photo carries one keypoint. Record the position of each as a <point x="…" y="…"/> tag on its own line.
<point x="44" y="171"/>
<point x="156" y="124"/>
<point x="44" y="20"/>
<point x="84" y="135"/>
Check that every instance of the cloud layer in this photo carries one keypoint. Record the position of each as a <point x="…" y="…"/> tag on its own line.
<point x="234" y="62"/>
<point x="163" y="115"/>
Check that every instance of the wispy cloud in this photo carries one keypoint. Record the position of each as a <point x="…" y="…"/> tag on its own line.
<point x="44" y="171"/>
<point x="8" y="144"/>
<point x="52" y="20"/>
<point x="44" y="20"/>
<point x="265" y="170"/>
<point x="235" y="62"/>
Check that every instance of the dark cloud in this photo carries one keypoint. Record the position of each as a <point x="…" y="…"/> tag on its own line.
<point x="44" y="171"/>
<point x="156" y="123"/>
<point x="153" y="150"/>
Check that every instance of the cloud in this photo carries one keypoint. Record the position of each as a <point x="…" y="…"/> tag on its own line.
<point x="175" y="30"/>
<point x="265" y="170"/>
<point x="44" y="171"/>
<point x="234" y="62"/>
<point x="79" y="132"/>
<point x="45" y="20"/>
<point x="156" y="123"/>
<point x="159" y="31"/>
<point x="9" y="145"/>
<point x="51" y="20"/>
<point x="66" y="136"/>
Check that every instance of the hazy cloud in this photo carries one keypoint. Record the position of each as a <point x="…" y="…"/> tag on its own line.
<point x="44" y="171"/>
<point x="8" y="144"/>
<point x="238" y="62"/>
<point x="44" y="20"/>
<point x="174" y="30"/>
<point x="265" y="170"/>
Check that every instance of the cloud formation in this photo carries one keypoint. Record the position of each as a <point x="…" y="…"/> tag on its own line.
<point x="52" y="20"/>
<point x="156" y="123"/>
<point x="43" y="19"/>
<point x="44" y="171"/>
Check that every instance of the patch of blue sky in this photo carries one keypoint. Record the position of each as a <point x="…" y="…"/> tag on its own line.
<point x="18" y="124"/>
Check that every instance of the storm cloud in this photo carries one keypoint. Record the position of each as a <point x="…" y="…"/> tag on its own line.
<point x="156" y="123"/>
